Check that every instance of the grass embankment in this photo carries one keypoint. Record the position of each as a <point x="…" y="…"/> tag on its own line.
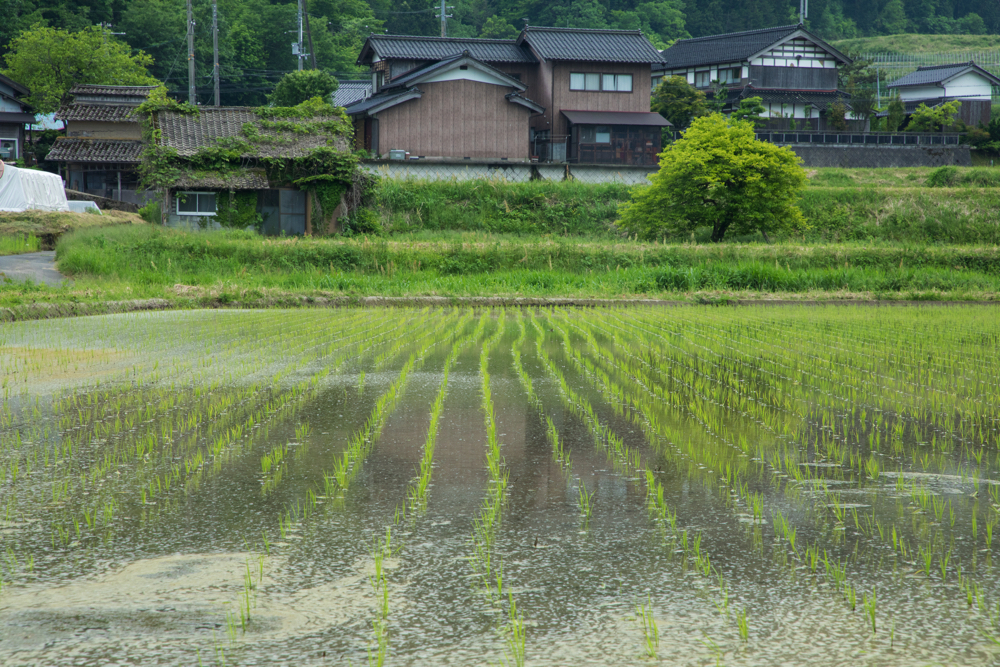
<point x="48" y="226"/>
<point x="915" y="43"/>
<point x="868" y="206"/>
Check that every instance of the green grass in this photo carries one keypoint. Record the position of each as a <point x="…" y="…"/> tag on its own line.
<point x="912" y="43"/>
<point x="17" y="244"/>
<point x="50" y="225"/>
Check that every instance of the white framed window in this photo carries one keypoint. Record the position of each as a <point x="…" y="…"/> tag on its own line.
<point x="584" y="81"/>
<point x="8" y="149"/>
<point x="701" y="79"/>
<point x="195" y="203"/>
<point x="729" y="75"/>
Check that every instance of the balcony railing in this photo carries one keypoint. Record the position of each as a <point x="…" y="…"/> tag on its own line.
<point x="861" y="138"/>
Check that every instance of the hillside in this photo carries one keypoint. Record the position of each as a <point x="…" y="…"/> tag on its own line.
<point x="911" y="44"/>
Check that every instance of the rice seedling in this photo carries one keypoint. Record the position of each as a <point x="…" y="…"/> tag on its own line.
<point x="870" y="603"/>
<point x="650" y="631"/>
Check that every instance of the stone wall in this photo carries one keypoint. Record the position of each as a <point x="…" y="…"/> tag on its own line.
<point x="873" y="157"/>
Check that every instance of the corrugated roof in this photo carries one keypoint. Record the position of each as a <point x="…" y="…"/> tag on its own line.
<point x="728" y="48"/>
<point x="643" y="118"/>
<point x="614" y="46"/>
<point x="95" y="150"/>
<point x="94" y="89"/>
<point x="930" y="75"/>
<point x="350" y="91"/>
<point x="187" y="133"/>
<point x="110" y="113"/>
<point x="407" y="47"/>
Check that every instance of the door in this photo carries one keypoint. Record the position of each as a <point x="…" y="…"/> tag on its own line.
<point x="293" y="212"/>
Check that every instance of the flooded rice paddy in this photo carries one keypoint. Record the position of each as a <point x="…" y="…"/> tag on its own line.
<point x="766" y="486"/>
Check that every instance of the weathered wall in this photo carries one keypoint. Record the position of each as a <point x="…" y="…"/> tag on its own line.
<point x="457" y="119"/>
<point x="564" y="98"/>
<point x="461" y="170"/>
<point x="98" y="130"/>
<point x="873" y="157"/>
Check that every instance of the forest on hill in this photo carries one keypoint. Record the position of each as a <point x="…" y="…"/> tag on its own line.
<point x="255" y="36"/>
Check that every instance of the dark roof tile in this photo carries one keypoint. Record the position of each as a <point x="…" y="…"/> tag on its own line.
<point x="242" y="179"/>
<point x="730" y="48"/>
<point x="351" y="91"/>
<point x="127" y="91"/>
<point x="934" y="74"/>
<point x="407" y="47"/>
<point x="110" y="113"/>
<point x="614" y="46"/>
<point x="95" y="150"/>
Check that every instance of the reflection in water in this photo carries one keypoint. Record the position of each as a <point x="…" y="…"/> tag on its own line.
<point x="814" y="471"/>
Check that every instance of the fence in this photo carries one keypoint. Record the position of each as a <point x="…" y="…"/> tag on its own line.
<point x="863" y="139"/>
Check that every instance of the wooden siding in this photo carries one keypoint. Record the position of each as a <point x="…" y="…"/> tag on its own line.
<point x="99" y="130"/>
<point x="564" y="98"/>
<point x="457" y="119"/>
<point x="793" y="78"/>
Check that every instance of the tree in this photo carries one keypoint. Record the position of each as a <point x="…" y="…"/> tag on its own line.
<point x="836" y="114"/>
<point x="50" y="61"/>
<point x="933" y="119"/>
<point x="496" y="28"/>
<point x="678" y="101"/>
<point x="718" y="174"/>
<point x="297" y="87"/>
<point x="750" y="110"/>
<point x="896" y="115"/>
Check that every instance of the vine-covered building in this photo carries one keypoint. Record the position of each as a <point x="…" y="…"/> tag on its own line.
<point x="282" y="171"/>
<point x="552" y="94"/>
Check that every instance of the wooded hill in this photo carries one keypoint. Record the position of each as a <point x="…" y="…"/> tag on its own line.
<point x="255" y="36"/>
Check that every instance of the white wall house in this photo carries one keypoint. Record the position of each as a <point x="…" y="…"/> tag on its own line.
<point x="966" y="82"/>
<point x="793" y="71"/>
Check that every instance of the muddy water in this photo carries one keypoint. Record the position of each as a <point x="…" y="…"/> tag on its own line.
<point x="166" y="577"/>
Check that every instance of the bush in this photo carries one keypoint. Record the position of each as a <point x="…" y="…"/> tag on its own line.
<point x="363" y="221"/>
<point x="151" y="212"/>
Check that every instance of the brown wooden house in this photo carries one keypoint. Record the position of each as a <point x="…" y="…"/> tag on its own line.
<point x="533" y="97"/>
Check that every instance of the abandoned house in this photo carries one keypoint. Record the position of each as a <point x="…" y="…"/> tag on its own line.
<point x="793" y="72"/>
<point x="100" y="153"/>
<point x="14" y="115"/>
<point x="966" y="82"/>
<point x="238" y="167"/>
<point x="552" y="94"/>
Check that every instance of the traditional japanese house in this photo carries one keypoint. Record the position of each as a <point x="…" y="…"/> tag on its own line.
<point x="793" y="71"/>
<point x="14" y="115"/>
<point x="534" y="97"/>
<point x="100" y="153"/>
<point x="966" y="82"/>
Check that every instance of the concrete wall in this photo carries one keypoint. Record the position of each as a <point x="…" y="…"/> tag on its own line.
<point x="457" y="119"/>
<point x="441" y="170"/>
<point x="875" y="157"/>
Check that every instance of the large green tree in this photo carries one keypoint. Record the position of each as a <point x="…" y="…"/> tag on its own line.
<point x="718" y="175"/>
<point x="297" y="87"/>
<point x="50" y="61"/>
<point x="678" y="101"/>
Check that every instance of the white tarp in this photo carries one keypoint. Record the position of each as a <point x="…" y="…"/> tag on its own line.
<point x="23" y="189"/>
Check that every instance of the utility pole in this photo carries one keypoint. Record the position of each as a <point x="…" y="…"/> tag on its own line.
<point x="444" y="21"/>
<point x="215" y="49"/>
<point x="309" y="38"/>
<point x="299" y="49"/>
<point x="192" y="91"/>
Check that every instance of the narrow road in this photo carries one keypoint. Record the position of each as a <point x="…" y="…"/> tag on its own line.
<point x="37" y="266"/>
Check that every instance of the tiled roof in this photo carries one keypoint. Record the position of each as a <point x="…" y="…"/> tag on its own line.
<point x="187" y="133"/>
<point x="350" y="91"/>
<point x="128" y="91"/>
<point x="729" y="48"/>
<point x="110" y="113"/>
<point x="613" y="46"/>
<point x="408" y="47"/>
<point x="451" y="63"/>
<point x="242" y="179"/>
<point x="95" y="150"/>
<point x="381" y="98"/>
<point x="928" y="76"/>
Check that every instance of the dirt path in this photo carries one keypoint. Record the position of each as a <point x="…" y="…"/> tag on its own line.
<point x="39" y="267"/>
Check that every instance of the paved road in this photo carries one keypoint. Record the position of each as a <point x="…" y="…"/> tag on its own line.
<point x="38" y="266"/>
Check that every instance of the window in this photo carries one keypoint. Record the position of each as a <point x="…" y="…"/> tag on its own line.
<point x="195" y="203"/>
<point x="701" y="79"/>
<point x="729" y="75"/>
<point x="621" y="83"/>
<point x="8" y="149"/>
<point x="584" y="81"/>
<point x="591" y="81"/>
<point x="595" y="134"/>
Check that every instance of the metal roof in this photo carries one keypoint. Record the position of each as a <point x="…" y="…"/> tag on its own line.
<point x="109" y="113"/>
<point x="352" y="90"/>
<point x="408" y="47"/>
<point x="735" y="47"/>
<point x="18" y="88"/>
<point x="95" y="150"/>
<point x="613" y="46"/>
<point x="382" y="99"/>
<point x="935" y="74"/>
<point x="644" y="118"/>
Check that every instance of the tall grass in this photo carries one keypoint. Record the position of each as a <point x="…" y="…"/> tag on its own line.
<point x="18" y="244"/>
